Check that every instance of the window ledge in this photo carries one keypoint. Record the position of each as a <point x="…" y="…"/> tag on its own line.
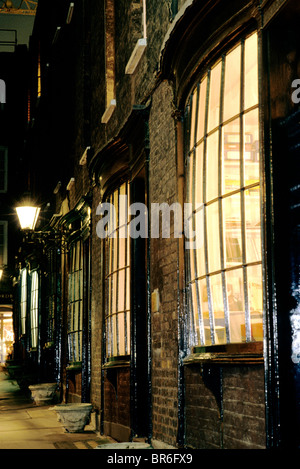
<point x="76" y="366"/>
<point x="136" y="56"/>
<point x="108" y="111"/>
<point x="117" y="362"/>
<point x="236" y="354"/>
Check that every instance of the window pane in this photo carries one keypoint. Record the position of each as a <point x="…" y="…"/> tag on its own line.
<point x="251" y="72"/>
<point x="76" y="316"/>
<point x="197" y="316"/>
<point x="199" y="219"/>
<point x="232" y="84"/>
<point x="199" y="175"/>
<point x="192" y="325"/>
<point x="251" y="147"/>
<point x="128" y="332"/>
<point x="231" y="157"/>
<point x="114" y="335"/>
<point x="109" y="336"/>
<point x="108" y="294"/>
<point x="213" y="237"/>
<point x="121" y="290"/>
<point x="116" y="206"/>
<point x="128" y="289"/>
<point x="121" y="329"/>
<point x="214" y="97"/>
<point x="193" y="117"/>
<point x="236" y="305"/>
<point x="201" y="110"/>
<point x="123" y="216"/>
<point x="122" y="252"/>
<point x="232" y="230"/>
<point x="190" y="182"/>
<point x="115" y="251"/>
<point x="253" y="228"/>
<point x="254" y="274"/>
<point x="205" y="311"/>
<point x="212" y="164"/>
<point x="218" y="308"/>
<point x="192" y="263"/>
<point x="34" y="309"/>
<point x="114" y="293"/>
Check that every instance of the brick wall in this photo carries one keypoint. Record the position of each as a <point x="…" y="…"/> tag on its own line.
<point x="163" y="273"/>
<point x="242" y="425"/>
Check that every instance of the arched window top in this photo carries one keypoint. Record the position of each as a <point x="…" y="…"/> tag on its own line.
<point x="198" y="32"/>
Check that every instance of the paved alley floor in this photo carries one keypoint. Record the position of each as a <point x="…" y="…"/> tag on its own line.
<point x="23" y="425"/>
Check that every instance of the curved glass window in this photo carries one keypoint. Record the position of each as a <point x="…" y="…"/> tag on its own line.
<point x="224" y="267"/>
<point x="23" y="302"/>
<point x="117" y="276"/>
<point x="75" y="311"/>
<point x="34" y="308"/>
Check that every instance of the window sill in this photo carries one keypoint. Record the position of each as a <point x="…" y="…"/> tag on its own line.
<point x="76" y="366"/>
<point x="228" y="354"/>
<point x="118" y="362"/>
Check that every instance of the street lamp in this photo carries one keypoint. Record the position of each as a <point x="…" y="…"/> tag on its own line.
<point x="28" y="215"/>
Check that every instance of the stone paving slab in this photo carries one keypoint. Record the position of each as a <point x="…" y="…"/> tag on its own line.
<point x="26" y="426"/>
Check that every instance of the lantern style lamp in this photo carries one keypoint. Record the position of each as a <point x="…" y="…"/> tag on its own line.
<point x="28" y="216"/>
<point x="1" y="273"/>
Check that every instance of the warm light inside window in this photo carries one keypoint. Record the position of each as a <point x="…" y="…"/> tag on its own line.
<point x="34" y="308"/>
<point x="28" y="216"/>
<point x="223" y="185"/>
<point x="23" y="280"/>
<point x="75" y="309"/>
<point x="117" y="278"/>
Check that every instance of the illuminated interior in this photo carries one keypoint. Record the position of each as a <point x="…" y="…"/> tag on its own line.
<point x="34" y="308"/>
<point x="224" y="272"/>
<point x="23" y="302"/>
<point x="75" y="313"/>
<point x="118" y="277"/>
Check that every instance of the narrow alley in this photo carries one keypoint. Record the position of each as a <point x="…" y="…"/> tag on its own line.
<point x="150" y="226"/>
<point x="23" y="425"/>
